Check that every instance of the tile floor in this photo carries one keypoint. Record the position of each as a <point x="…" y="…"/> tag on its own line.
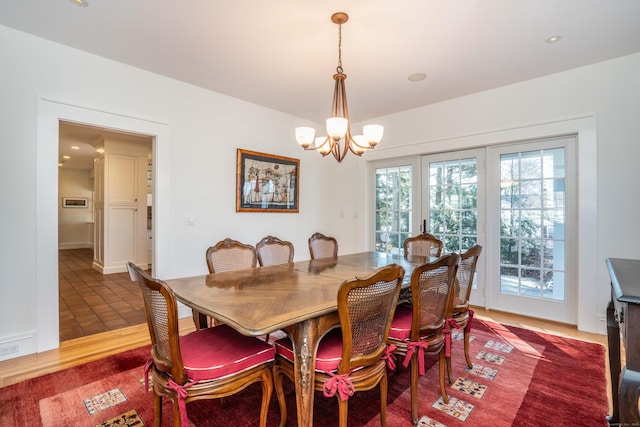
<point x="91" y="302"/>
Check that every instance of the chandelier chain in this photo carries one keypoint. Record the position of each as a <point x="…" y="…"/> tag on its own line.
<point x="339" y="67"/>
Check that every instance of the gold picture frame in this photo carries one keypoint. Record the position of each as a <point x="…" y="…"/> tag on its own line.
<point x="267" y="182"/>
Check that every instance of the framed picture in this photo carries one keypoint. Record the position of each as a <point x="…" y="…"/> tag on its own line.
<point x="267" y="183"/>
<point x="75" y="202"/>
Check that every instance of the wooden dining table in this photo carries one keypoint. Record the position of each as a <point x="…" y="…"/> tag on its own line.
<point x="299" y="298"/>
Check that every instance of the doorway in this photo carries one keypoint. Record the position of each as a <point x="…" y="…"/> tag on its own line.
<point x="50" y="113"/>
<point x="92" y="301"/>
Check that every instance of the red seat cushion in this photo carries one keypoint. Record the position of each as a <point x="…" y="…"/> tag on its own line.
<point x="401" y="324"/>
<point x="220" y="351"/>
<point x="329" y="351"/>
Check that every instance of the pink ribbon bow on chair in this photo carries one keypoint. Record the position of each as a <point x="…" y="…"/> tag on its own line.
<point x="411" y="347"/>
<point x="390" y="356"/>
<point x="340" y="383"/>
<point x="448" y="324"/>
<point x="182" y="395"/>
<point x="468" y="327"/>
<point x="147" y="368"/>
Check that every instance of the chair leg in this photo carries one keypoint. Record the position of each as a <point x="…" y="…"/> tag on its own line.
<point x="383" y="400"/>
<point x="177" y="421"/>
<point x="343" y="410"/>
<point x="267" y="388"/>
<point x="449" y="359"/>
<point x="414" y="388"/>
<point x="467" y="338"/>
<point x="277" y="382"/>
<point x="157" y="410"/>
<point x="443" y="390"/>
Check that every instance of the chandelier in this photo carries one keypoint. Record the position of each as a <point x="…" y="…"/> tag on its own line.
<point x="339" y="140"/>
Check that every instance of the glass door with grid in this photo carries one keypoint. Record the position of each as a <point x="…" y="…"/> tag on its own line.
<point x="453" y="211"/>
<point x="532" y="197"/>
<point x="396" y="194"/>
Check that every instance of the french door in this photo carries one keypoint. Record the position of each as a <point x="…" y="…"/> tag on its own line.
<point x="516" y="200"/>
<point x="453" y="205"/>
<point x="533" y="232"/>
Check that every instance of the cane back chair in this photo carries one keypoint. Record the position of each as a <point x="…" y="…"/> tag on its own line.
<point x="424" y="244"/>
<point x="420" y="328"/>
<point x="273" y="251"/>
<point x="353" y="357"/>
<point x="321" y="246"/>
<point x="210" y="363"/>
<point x="461" y="313"/>
<point x="226" y="255"/>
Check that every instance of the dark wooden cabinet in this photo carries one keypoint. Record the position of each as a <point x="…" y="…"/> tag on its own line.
<point x="623" y="320"/>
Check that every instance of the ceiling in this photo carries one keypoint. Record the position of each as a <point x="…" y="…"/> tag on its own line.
<point x="78" y="143"/>
<point x="282" y="53"/>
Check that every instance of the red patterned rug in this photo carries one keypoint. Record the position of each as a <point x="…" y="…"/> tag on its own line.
<point x="520" y="378"/>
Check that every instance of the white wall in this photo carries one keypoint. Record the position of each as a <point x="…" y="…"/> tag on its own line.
<point x="607" y="94"/>
<point x="195" y="170"/>
<point x="75" y="225"/>
<point x="200" y="131"/>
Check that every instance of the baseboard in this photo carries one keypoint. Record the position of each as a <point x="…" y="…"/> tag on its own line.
<point x="117" y="268"/>
<point x="17" y="346"/>
<point x="79" y="245"/>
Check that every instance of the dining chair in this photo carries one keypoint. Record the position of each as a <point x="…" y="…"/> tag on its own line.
<point x="209" y="363"/>
<point x="321" y="246"/>
<point x="461" y="313"/>
<point x="226" y="255"/>
<point x="420" y="328"/>
<point x="229" y="254"/>
<point x="353" y="357"/>
<point x="424" y="244"/>
<point x="273" y="251"/>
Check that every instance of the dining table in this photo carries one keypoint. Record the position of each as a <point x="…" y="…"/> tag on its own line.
<point x="299" y="298"/>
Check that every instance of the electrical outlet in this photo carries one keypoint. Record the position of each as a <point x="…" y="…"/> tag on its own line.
<point x="9" y="349"/>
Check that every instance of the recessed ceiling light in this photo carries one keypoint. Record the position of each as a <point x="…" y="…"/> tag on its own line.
<point x="81" y="3"/>
<point x="60" y="164"/>
<point x="416" y="77"/>
<point x="75" y="147"/>
<point x="553" y="39"/>
<point x="66" y="157"/>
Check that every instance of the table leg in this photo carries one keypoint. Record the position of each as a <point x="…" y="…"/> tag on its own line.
<point x="304" y="336"/>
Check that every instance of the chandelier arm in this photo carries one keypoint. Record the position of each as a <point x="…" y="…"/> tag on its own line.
<point x="343" y="100"/>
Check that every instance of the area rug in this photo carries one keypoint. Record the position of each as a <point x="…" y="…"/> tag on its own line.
<point x="520" y="378"/>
